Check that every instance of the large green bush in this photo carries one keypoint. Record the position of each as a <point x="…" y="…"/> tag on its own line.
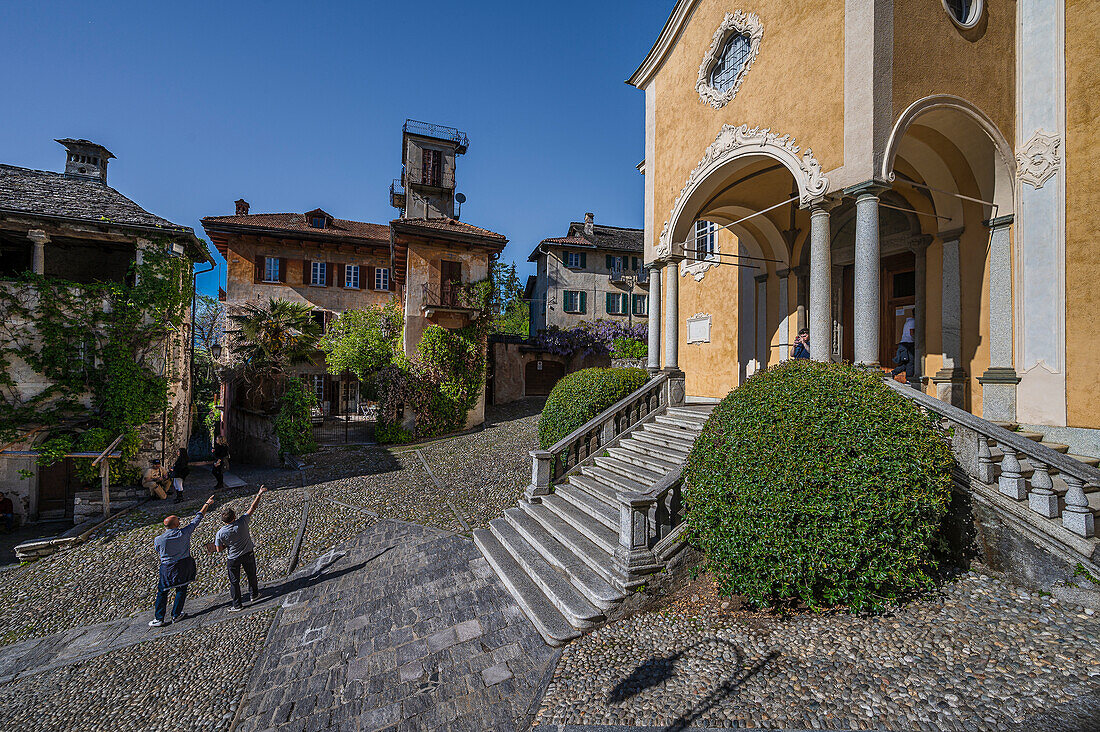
<point x="582" y="395"/>
<point x="817" y="482"/>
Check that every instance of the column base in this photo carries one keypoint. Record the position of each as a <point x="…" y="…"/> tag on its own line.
<point x="951" y="386"/>
<point x="676" y="387"/>
<point x="999" y="394"/>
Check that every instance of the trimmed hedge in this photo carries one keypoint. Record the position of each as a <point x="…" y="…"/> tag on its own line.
<point x="817" y="482"/>
<point x="582" y="395"/>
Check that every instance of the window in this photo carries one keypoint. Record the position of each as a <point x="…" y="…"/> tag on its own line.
<point x="319" y="317"/>
<point x="575" y="260"/>
<point x="318" y="273"/>
<point x="617" y="303"/>
<point x="271" y="269"/>
<point x="965" y="13"/>
<point x="732" y="60"/>
<point x="640" y="304"/>
<point x="318" y="383"/>
<point x="432" y="172"/>
<point x="317" y="222"/>
<point x="574" y="301"/>
<point x="382" y="278"/>
<point x="351" y="276"/>
<point x="706" y="240"/>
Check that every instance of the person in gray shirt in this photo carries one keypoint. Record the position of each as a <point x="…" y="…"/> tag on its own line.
<point x="234" y="539"/>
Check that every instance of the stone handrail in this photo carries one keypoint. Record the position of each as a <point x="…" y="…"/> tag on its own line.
<point x="976" y="458"/>
<point x="565" y="455"/>
<point x="646" y="517"/>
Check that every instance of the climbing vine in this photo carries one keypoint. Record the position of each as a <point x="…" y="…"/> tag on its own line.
<point x="100" y="349"/>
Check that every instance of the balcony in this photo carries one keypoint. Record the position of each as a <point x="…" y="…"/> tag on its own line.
<point x="446" y="297"/>
<point x="416" y="175"/>
<point x="397" y="193"/>
<point x="438" y="132"/>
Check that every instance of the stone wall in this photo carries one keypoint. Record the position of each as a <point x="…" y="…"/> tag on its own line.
<point x="509" y="364"/>
<point x="593" y="280"/>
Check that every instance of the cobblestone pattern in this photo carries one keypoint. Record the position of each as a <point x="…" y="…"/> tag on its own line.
<point x="191" y="681"/>
<point x="410" y="631"/>
<point x="983" y="655"/>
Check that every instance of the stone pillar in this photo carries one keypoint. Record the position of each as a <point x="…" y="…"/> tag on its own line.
<point x="801" y="296"/>
<point x="919" y="247"/>
<point x="784" y="314"/>
<point x="654" y="362"/>
<point x="672" y="316"/>
<point x="950" y="380"/>
<point x="1000" y="379"/>
<point x="821" y="285"/>
<point x="39" y="239"/>
<point x="761" y="321"/>
<point x="868" y="287"/>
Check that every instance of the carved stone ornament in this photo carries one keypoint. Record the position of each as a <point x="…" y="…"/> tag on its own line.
<point x="1038" y="160"/>
<point x="740" y="23"/>
<point x="736" y="141"/>
<point x="698" y="267"/>
<point x="698" y="328"/>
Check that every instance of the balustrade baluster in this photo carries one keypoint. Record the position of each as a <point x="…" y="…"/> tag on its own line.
<point x="1011" y="483"/>
<point x="1042" y="499"/>
<point x="1077" y="516"/>
<point x="985" y="461"/>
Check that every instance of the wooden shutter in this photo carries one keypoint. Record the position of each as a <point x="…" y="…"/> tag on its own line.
<point x="340" y="281"/>
<point x="584" y="302"/>
<point x="584" y="260"/>
<point x="306" y="267"/>
<point x="626" y="304"/>
<point x="369" y="285"/>
<point x="282" y="269"/>
<point x="258" y="275"/>
<point x="392" y="284"/>
<point x="609" y="302"/>
<point x="328" y="274"/>
<point x="609" y="261"/>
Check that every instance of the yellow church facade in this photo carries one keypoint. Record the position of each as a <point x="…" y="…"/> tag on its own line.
<point x="860" y="167"/>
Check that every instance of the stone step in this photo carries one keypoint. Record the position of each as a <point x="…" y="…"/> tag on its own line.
<point x="617" y="482"/>
<point x="678" y="444"/>
<point x="586" y="502"/>
<point x="593" y="586"/>
<point x="594" y="486"/>
<point x="567" y="599"/>
<point x="630" y="470"/>
<point x="593" y="554"/>
<point x="680" y="422"/>
<point x="997" y="453"/>
<point x="547" y="619"/>
<point x="701" y="411"/>
<point x="677" y="433"/>
<point x="595" y="531"/>
<point x="651" y="463"/>
<point x="1036" y="436"/>
<point x="666" y="453"/>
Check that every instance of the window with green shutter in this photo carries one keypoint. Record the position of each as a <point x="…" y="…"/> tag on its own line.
<point x="609" y="261"/>
<point x="584" y="302"/>
<point x="640" y="303"/>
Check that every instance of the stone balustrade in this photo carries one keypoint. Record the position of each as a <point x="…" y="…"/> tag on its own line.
<point x="645" y="519"/>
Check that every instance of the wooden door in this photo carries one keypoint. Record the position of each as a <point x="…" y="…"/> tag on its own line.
<point x="539" y="377"/>
<point x="899" y="298"/>
<point x="56" y="485"/>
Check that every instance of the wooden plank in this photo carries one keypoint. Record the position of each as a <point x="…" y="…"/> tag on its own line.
<point x="110" y="447"/>
<point x="105" y="481"/>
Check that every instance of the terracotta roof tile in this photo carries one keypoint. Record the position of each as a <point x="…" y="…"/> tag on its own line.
<point x="450" y="225"/>
<point x="298" y="222"/>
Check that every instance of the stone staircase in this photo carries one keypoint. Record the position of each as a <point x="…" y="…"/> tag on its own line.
<point x="557" y="556"/>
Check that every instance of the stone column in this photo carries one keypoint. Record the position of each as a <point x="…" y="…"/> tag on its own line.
<point x="868" y="286"/>
<point x="1000" y="379"/>
<point x="761" y="321"/>
<point x="919" y="247"/>
<point x="950" y="380"/>
<point x="672" y="316"/>
<point x="654" y="363"/>
<point x="39" y="239"/>
<point x="802" y="300"/>
<point x="821" y="285"/>
<point x="784" y="314"/>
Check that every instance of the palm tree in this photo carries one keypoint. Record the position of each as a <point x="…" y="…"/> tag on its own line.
<point x="270" y="338"/>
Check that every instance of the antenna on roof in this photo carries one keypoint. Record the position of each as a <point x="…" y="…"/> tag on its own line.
<point x="461" y="199"/>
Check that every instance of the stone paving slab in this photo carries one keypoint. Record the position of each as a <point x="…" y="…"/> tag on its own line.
<point x="416" y="633"/>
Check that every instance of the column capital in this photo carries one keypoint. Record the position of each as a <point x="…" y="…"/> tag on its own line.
<point x="761" y="277"/>
<point x="802" y="270"/>
<point x="38" y="236"/>
<point x="951" y="234"/>
<point x="871" y="187"/>
<point x="919" y="243"/>
<point x="822" y="205"/>
<point x="784" y="273"/>
<point x="999" y="222"/>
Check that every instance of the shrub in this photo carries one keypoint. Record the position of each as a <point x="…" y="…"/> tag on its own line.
<point x="389" y="434"/>
<point x="629" y="348"/>
<point x="817" y="482"/>
<point x="293" y="424"/>
<point x="582" y="395"/>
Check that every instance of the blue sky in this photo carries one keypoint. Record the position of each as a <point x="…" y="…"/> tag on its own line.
<point x="298" y="105"/>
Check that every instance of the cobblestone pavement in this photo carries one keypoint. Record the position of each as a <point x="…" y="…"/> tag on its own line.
<point x="416" y="633"/>
<point x="190" y="681"/>
<point x="982" y="655"/>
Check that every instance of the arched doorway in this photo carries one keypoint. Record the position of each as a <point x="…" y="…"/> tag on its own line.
<point x="540" y="376"/>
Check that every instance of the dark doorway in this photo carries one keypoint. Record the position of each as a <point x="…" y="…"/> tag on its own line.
<point x="56" y="485"/>
<point x="899" y="298"/>
<point x="539" y="377"/>
<point x="450" y="278"/>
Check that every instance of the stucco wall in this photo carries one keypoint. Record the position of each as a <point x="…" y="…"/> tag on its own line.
<point x="593" y="280"/>
<point x="1082" y="156"/>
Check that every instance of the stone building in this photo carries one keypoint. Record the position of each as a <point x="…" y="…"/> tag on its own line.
<point x="418" y="260"/>
<point x="73" y="227"/>
<point x="593" y="272"/>
<point x="847" y="185"/>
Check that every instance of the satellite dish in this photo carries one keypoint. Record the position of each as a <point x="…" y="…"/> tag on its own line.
<point x="460" y="197"/>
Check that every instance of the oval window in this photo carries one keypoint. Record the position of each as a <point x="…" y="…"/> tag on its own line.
<point x="731" y="62"/>
<point x="965" y="13"/>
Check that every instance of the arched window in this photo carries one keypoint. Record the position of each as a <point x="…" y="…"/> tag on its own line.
<point x="731" y="62"/>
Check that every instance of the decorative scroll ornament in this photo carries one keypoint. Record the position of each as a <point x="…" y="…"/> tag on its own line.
<point x="690" y="265"/>
<point x="1038" y="160"/>
<point x="736" y="141"/>
<point x="741" y="23"/>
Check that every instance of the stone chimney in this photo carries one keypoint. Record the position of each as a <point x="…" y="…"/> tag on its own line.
<point x="86" y="159"/>
<point x="589" y="225"/>
<point x="242" y="207"/>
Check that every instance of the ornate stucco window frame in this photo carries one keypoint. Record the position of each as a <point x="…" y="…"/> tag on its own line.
<point x="739" y="22"/>
<point x="976" y="12"/>
<point x="697" y="328"/>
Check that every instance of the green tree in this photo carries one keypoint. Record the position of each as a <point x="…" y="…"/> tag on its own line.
<point x="511" y="313"/>
<point x="268" y="339"/>
<point x="363" y="341"/>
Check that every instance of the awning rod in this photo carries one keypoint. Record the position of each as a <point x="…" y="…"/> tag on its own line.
<point x="746" y="218"/>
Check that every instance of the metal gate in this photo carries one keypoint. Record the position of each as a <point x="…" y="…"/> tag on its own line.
<point x="341" y="416"/>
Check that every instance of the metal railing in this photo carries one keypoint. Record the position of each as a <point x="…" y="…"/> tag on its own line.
<point x="439" y="132"/>
<point x="974" y="441"/>
<point x="445" y="295"/>
<point x="417" y="175"/>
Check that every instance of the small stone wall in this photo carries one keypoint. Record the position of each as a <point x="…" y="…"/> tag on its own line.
<point x="88" y="505"/>
<point x="628" y="363"/>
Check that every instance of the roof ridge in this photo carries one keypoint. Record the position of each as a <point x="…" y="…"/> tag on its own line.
<point x="609" y="226"/>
